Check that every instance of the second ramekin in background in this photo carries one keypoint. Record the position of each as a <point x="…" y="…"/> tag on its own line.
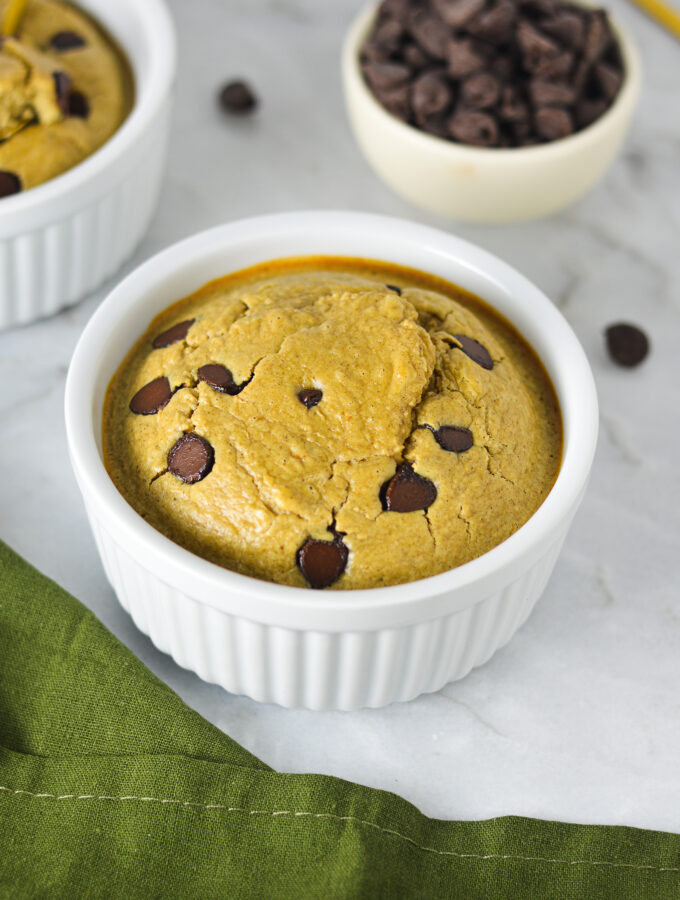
<point x="294" y="646"/>
<point x="62" y="239"/>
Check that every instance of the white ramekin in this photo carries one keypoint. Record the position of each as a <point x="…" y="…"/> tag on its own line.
<point x="480" y="184"/>
<point x="324" y="649"/>
<point x="62" y="239"/>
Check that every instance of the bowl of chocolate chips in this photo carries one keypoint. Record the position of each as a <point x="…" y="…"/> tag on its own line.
<point x="489" y="111"/>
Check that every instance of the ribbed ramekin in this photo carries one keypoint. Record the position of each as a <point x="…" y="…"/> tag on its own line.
<point x="324" y="649"/>
<point x="62" y="239"/>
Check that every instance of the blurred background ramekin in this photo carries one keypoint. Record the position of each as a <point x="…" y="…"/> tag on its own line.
<point x="294" y="646"/>
<point x="59" y="241"/>
<point x="487" y="185"/>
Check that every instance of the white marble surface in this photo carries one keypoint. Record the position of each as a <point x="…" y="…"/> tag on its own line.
<point x="579" y="717"/>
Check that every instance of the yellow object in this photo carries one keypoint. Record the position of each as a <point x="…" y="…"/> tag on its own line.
<point x="13" y="16"/>
<point x="665" y="15"/>
<point x="383" y="346"/>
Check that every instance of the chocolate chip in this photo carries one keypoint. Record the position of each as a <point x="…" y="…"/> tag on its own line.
<point x="310" y="397"/>
<point x="393" y="287"/>
<point x="476" y="351"/>
<point x="535" y="47"/>
<point x="9" y="183"/>
<point x="569" y="28"/>
<point x="480" y="91"/>
<point x="428" y="33"/>
<point x="627" y="344"/>
<point x="152" y="398"/>
<point x="544" y="93"/>
<point x="457" y="13"/>
<point x="415" y="57"/>
<point x="495" y="26"/>
<point x="463" y="59"/>
<point x="78" y="105"/>
<point x="62" y="90"/>
<point x="322" y="562"/>
<point x="66" y="40"/>
<point x="556" y="68"/>
<point x="608" y="80"/>
<point x="407" y="491"/>
<point x="237" y="97"/>
<point x="389" y="35"/>
<point x="477" y="128"/>
<point x="587" y="111"/>
<point x="553" y="123"/>
<point x="219" y="378"/>
<point x="397" y="101"/>
<point x="174" y="334"/>
<point x="454" y="439"/>
<point x="598" y="36"/>
<point x="191" y="458"/>
<point x="397" y="9"/>
<point x="386" y="76"/>
<point x="430" y="95"/>
<point x="513" y="108"/>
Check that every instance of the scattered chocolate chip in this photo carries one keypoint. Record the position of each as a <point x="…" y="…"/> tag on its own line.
<point x="463" y="59"/>
<point x="62" y="90"/>
<point x="393" y="287"/>
<point x="477" y="128"/>
<point x="428" y="33"/>
<point x="386" y="76"/>
<point x="310" y="397"/>
<point x="152" y="398"/>
<point x="495" y="25"/>
<point x="553" y="122"/>
<point x="608" y="80"/>
<point x="627" y="344"/>
<point x="237" y="97"/>
<point x="543" y="93"/>
<point x="78" y="105"/>
<point x="9" y="183"/>
<point x="430" y="95"/>
<point x="174" y="334"/>
<point x="191" y="458"/>
<point x="407" y="491"/>
<point x="456" y="13"/>
<point x="66" y="40"/>
<point x="219" y="378"/>
<point x="322" y="562"/>
<point x="453" y="438"/>
<point x="476" y="351"/>
<point x="480" y="91"/>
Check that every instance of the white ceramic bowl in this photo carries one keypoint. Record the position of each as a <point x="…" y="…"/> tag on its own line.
<point x="293" y="646"/>
<point x="62" y="239"/>
<point x="481" y="184"/>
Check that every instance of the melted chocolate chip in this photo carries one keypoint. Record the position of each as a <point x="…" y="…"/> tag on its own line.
<point x="454" y="438"/>
<point x="310" y="397"/>
<point x="237" y="97"/>
<point x="62" y="89"/>
<point x="627" y="344"/>
<point x="476" y="351"/>
<point x="78" y="105"/>
<point x="407" y="491"/>
<point x="191" y="458"/>
<point x="177" y="333"/>
<point x="66" y="40"/>
<point x="152" y="398"/>
<point x="393" y="287"/>
<point x="219" y="378"/>
<point x="9" y="183"/>
<point x="322" y="562"/>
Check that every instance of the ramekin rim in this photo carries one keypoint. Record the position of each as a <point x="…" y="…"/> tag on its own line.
<point x="99" y="490"/>
<point x="627" y="95"/>
<point x="150" y="93"/>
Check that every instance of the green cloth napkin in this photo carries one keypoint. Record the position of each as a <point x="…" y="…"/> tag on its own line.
<point x="111" y="787"/>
